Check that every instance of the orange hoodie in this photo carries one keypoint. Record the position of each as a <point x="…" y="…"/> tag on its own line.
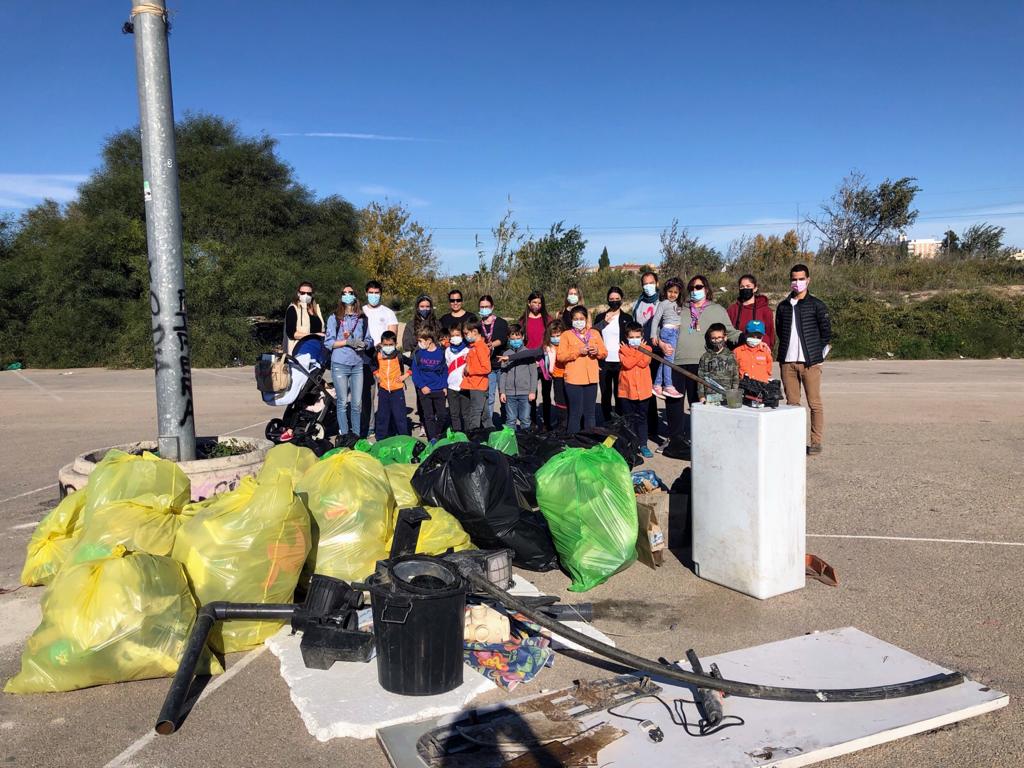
<point x="580" y="369"/>
<point x="755" y="362"/>
<point x="478" y="366"/>
<point x="635" y="376"/>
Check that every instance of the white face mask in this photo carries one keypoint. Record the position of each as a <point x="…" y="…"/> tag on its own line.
<point x="305" y="298"/>
<point x="579" y="325"/>
<point x="650" y="289"/>
<point x="455" y="341"/>
<point x="572" y="298"/>
<point x="387" y="349"/>
<point x="634" y="341"/>
<point x="423" y="344"/>
<point x="752" y="342"/>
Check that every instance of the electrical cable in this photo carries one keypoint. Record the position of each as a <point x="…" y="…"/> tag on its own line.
<point x="677" y="714"/>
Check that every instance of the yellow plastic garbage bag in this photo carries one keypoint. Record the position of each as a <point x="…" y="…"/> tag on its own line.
<point x="293" y="460"/>
<point x="353" y="511"/>
<point x="123" y="618"/>
<point x="438" y="534"/>
<point x="123" y="475"/>
<point x="247" y="546"/>
<point x="144" y="524"/>
<point x="52" y="540"/>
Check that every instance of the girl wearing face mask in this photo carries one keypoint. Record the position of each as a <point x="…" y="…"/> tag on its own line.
<point x="668" y="318"/>
<point x="349" y="341"/>
<point x="535" y="319"/>
<point x="423" y="319"/>
<point x="751" y="305"/>
<point x="553" y="370"/>
<point x="302" y="318"/>
<point x="611" y="324"/>
<point x="580" y="351"/>
<point x="700" y="313"/>
<point x="573" y="300"/>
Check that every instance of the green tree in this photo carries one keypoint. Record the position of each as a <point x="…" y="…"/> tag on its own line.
<point x="603" y="262"/>
<point x="950" y="243"/>
<point x="859" y="221"/>
<point x="498" y="266"/>
<point x="554" y="259"/>
<point x="396" y="250"/>
<point x="982" y="241"/>
<point x="684" y="256"/>
<point x="76" y="284"/>
<point x="761" y="255"/>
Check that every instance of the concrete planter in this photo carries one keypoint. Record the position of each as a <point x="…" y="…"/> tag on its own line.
<point x="207" y="476"/>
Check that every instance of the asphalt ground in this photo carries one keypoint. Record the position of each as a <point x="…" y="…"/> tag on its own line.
<point x="927" y="456"/>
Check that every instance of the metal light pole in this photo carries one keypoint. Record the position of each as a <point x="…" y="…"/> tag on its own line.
<point x="175" y="412"/>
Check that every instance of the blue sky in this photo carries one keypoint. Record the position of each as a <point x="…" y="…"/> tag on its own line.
<point x="730" y="116"/>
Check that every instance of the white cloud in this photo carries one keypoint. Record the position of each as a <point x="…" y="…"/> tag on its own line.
<point x="357" y="136"/>
<point x="22" y="190"/>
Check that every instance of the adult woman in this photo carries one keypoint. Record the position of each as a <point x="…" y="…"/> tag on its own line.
<point x="579" y="352"/>
<point x="611" y="324"/>
<point x="494" y="331"/>
<point x="751" y="305"/>
<point x="302" y="318"/>
<point x="699" y="312"/>
<point x="348" y="340"/>
<point x="573" y="299"/>
<point x="535" y="320"/>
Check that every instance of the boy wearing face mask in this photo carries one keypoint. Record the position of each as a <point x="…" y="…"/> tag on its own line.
<point x="551" y="367"/>
<point x="753" y="356"/>
<point x="430" y="377"/>
<point x="804" y="330"/>
<point x="456" y="354"/>
<point x="718" y="364"/>
<point x="579" y="352"/>
<point x="390" y="374"/>
<point x="635" y="385"/>
<point x="517" y="386"/>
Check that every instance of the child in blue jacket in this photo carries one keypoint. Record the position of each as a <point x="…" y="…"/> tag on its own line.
<point x="430" y="377"/>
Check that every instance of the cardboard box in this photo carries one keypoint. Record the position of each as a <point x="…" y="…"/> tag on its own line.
<point x="652" y="533"/>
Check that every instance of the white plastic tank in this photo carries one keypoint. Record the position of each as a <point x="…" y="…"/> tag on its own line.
<point x="750" y="497"/>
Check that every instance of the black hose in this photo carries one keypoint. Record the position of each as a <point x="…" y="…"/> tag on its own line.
<point x="209" y="614"/>
<point x="732" y="687"/>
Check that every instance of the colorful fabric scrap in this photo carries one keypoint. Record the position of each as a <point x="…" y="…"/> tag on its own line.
<point x="517" y="661"/>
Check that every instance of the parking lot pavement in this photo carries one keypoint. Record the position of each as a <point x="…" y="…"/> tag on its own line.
<point x="923" y="465"/>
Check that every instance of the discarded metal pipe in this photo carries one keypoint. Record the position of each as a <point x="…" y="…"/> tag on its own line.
<point x="693" y="376"/>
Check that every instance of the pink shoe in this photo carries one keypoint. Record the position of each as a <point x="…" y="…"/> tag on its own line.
<point x="658" y="392"/>
<point x="672" y="392"/>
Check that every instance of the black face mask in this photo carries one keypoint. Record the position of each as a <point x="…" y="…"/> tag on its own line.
<point x="746" y="294"/>
<point x="614" y="303"/>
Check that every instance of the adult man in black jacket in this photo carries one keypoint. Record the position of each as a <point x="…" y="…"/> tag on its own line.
<point x="805" y="334"/>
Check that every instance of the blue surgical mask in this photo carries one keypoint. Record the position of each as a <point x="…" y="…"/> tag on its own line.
<point x="485" y="311"/>
<point x="348" y="298"/>
<point x="555" y="340"/>
<point x="634" y="341"/>
<point x="650" y="289"/>
<point x="572" y="298"/>
<point x="697" y="295"/>
<point x="373" y="299"/>
<point x="387" y="349"/>
<point x="579" y="325"/>
<point x="515" y="343"/>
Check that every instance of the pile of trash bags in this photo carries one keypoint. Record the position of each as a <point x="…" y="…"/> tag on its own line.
<point x="128" y="560"/>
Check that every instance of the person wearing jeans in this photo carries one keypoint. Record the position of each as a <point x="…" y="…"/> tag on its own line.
<point x="804" y="330"/>
<point x="348" y="340"/>
<point x="518" y="380"/>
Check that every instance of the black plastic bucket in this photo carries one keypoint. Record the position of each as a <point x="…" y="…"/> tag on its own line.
<point x="419" y="606"/>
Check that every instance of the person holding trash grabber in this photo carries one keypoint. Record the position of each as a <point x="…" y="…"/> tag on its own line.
<point x="580" y="351"/>
<point x="635" y="387"/>
<point x="717" y="365"/>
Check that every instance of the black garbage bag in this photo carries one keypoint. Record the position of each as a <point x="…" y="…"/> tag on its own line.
<point x="677" y="447"/>
<point x="477" y="485"/>
<point x="540" y="445"/>
<point x="524" y="469"/>
<point x="480" y="434"/>
<point x="627" y="441"/>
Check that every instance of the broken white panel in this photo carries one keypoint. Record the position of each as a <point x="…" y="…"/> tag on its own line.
<point x="347" y="699"/>
<point x="558" y="642"/>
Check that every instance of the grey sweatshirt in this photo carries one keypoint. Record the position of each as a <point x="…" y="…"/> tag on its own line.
<point x="518" y="377"/>
<point x="667" y="313"/>
<point x="691" y="345"/>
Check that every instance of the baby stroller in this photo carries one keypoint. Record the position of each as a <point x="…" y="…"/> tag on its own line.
<point x="309" y="415"/>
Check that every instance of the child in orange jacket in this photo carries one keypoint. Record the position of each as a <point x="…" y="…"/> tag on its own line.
<point x="475" y="380"/>
<point x="635" y="384"/>
<point x="390" y="374"/>
<point x="754" y="358"/>
<point x="579" y="352"/>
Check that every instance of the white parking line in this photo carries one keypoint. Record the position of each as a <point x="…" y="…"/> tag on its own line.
<point x="913" y="538"/>
<point x="42" y="389"/>
<point x="23" y="526"/>
<point x="28" y="493"/>
<point x="242" y="429"/>
<point x="140" y="743"/>
<point x="224" y="375"/>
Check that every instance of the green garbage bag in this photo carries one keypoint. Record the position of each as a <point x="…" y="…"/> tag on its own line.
<point x="362" y="444"/>
<point x="335" y="451"/>
<point x="53" y="540"/>
<point x="586" y="496"/>
<point x="398" y="449"/>
<point x="448" y="439"/>
<point x="504" y="440"/>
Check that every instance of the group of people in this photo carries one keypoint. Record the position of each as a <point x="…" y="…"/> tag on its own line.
<point x="545" y="370"/>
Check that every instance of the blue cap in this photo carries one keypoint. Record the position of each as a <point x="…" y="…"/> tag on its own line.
<point x="755" y="326"/>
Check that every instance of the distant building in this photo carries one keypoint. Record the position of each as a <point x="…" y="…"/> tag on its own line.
<point x="924" y="248"/>
<point x="1018" y="256"/>
<point x="636" y="269"/>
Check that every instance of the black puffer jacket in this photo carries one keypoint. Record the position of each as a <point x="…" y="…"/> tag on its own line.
<point x="814" y="327"/>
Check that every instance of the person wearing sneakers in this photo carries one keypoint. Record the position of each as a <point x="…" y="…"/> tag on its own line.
<point x="475" y="379"/>
<point x="635" y="383"/>
<point x="805" y="335"/>
<point x="390" y="374"/>
<point x="456" y="354"/>
<point x="665" y="334"/>
<point x="580" y="352"/>
<point x="754" y="356"/>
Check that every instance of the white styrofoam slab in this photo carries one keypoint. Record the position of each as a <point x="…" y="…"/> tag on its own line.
<point x="347" y="700"/>
<point x="779" y="733"/>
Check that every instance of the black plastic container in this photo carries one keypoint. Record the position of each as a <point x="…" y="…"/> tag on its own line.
<point x="419" y="607"/>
